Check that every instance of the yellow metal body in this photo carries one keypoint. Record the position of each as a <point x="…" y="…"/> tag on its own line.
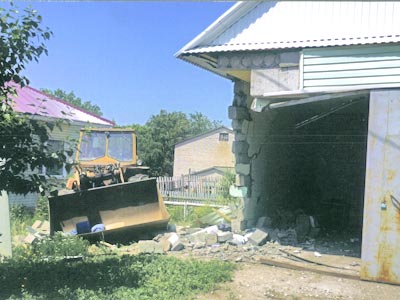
<point x="104" y="192"/>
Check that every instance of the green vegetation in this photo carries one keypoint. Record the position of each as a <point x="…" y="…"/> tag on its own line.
<point x="21" y="216"/>
<point x="226" y="181"/>
<point x="157" y="138"/>
<point x="193" y="214"/>
<point x="24" y="146"/>
<point x="39" y="272"/>
<point x="74" y="100"/>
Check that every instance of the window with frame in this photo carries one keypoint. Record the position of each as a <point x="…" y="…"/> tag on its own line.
<point x="224" y="136"/>
<point x="56" y="171"/>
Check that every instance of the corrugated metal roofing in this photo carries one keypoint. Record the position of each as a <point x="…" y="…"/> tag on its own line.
<point x="32" y="101"/>
<point x="273" y="25"/>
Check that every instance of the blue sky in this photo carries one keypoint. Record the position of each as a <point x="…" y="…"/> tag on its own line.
<point x="120" y="56"/>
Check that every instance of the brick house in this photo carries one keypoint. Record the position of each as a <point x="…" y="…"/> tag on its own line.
<point x="207" y="154"/>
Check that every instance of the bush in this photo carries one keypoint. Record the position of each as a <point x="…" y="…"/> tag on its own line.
<point x="193" y="214"/>
<point x="227" y="180"/>
<point x="20" y="213"/>
<point x="143" y="277"/>
<point x="20" y="217"/>
<point x="42" y="208"/>
<point x="52" y="248"/>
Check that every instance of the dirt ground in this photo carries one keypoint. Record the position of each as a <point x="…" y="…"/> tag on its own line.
<point x="254" y="281"/>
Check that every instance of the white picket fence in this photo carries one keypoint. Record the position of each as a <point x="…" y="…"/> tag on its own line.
<point x="192" y="189"/>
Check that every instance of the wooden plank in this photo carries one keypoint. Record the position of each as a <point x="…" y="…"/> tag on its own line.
<point x="303" y="267"/>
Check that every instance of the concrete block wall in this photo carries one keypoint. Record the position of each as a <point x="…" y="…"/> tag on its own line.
<point x="248" y="155"/>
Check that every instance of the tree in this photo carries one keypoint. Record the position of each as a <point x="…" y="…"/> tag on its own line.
<point x="157" y="138"/>
<point x="23" y="142"/>
<point x="74" y="100"/>
<point x="200" y="123"/>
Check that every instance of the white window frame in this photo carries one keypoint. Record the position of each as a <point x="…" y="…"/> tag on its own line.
<point x="222" y="136"/>
<point x="63" y="169"/>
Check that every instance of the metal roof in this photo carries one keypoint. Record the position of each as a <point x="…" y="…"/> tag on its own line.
<point x="201" y="135"/>
<point x="269" y="25"/>
<point x="34" y="102"/>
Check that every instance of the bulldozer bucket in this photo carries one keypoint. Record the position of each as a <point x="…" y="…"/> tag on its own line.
<point x="111" y="212"/>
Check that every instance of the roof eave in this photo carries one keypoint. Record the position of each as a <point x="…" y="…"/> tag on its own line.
<point x="199" y="61"/>
<point x="217" y="27"/>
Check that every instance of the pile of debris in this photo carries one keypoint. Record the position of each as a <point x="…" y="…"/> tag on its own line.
<point x="221" y="240"/>
<point x="37" y="231"/>
<point x="268" y="237"/>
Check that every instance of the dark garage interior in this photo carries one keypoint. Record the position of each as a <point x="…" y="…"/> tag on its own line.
<point x="315" y="162"/>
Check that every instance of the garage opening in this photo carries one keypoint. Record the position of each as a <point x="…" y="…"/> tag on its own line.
<point x="315" y="164"/>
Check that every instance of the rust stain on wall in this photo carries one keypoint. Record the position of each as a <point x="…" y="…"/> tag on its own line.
<point x="391" y="174"/>
<point x="389" y="247"/>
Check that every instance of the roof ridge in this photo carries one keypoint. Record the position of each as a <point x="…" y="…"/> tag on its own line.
<point x="205" y="133"/>
<point x="70" y="104"/>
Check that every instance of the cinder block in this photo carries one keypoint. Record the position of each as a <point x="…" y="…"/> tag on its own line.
<point x="45" y="226"/>
<point x="258" y="237"/>
<point x="243" y="169"/>
<point x="240" y="137"/>
<point x="240" y="147"/>
<point x="37" y="224"/>
<point x="238" y="225"/>
<point x="237" y="125"/>
<point x="242" y="158"/>
<point x="245" y="126"/>
<point x="242" y="180"/>
<point x="224" y="236"/>
<point x="30" y="239"/>
<point x="238" y="113"/>
<point x="238" y="191"/>
<point x="150" y="247"/>
<point x="203" y="237"/>
<point x="165" y="244"/>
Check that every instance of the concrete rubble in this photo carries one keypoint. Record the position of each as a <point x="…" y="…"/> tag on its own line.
<point x="37" y="231"/>
<point x="224" y="241"/>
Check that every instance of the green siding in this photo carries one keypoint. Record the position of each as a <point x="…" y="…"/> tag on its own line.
<point x="68" y="132"/>
<point x="344" y="67"/>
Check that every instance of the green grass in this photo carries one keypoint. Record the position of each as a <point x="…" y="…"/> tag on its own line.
<point x="20" y="217"/>
<point x="37" y="272"/>
<point x="192" y="217"/>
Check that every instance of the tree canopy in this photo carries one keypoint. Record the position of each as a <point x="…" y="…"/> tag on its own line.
<point x="74" y="100"/>
<point x="23" y="143"/>
<point x="157" y="138"/>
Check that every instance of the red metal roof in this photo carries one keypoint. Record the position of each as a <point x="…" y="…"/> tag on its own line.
<point x="35" y="102"/>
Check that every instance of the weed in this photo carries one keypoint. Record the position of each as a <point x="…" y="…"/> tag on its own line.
<point x="193" y="214"/>
<point x="20" y="217"/>
<point x="42" y="208"/>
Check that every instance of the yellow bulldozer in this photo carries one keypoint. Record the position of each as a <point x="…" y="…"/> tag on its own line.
<point x="110" y="195"/>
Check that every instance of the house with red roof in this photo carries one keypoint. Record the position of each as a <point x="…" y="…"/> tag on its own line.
<point x="40" y="106"/>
